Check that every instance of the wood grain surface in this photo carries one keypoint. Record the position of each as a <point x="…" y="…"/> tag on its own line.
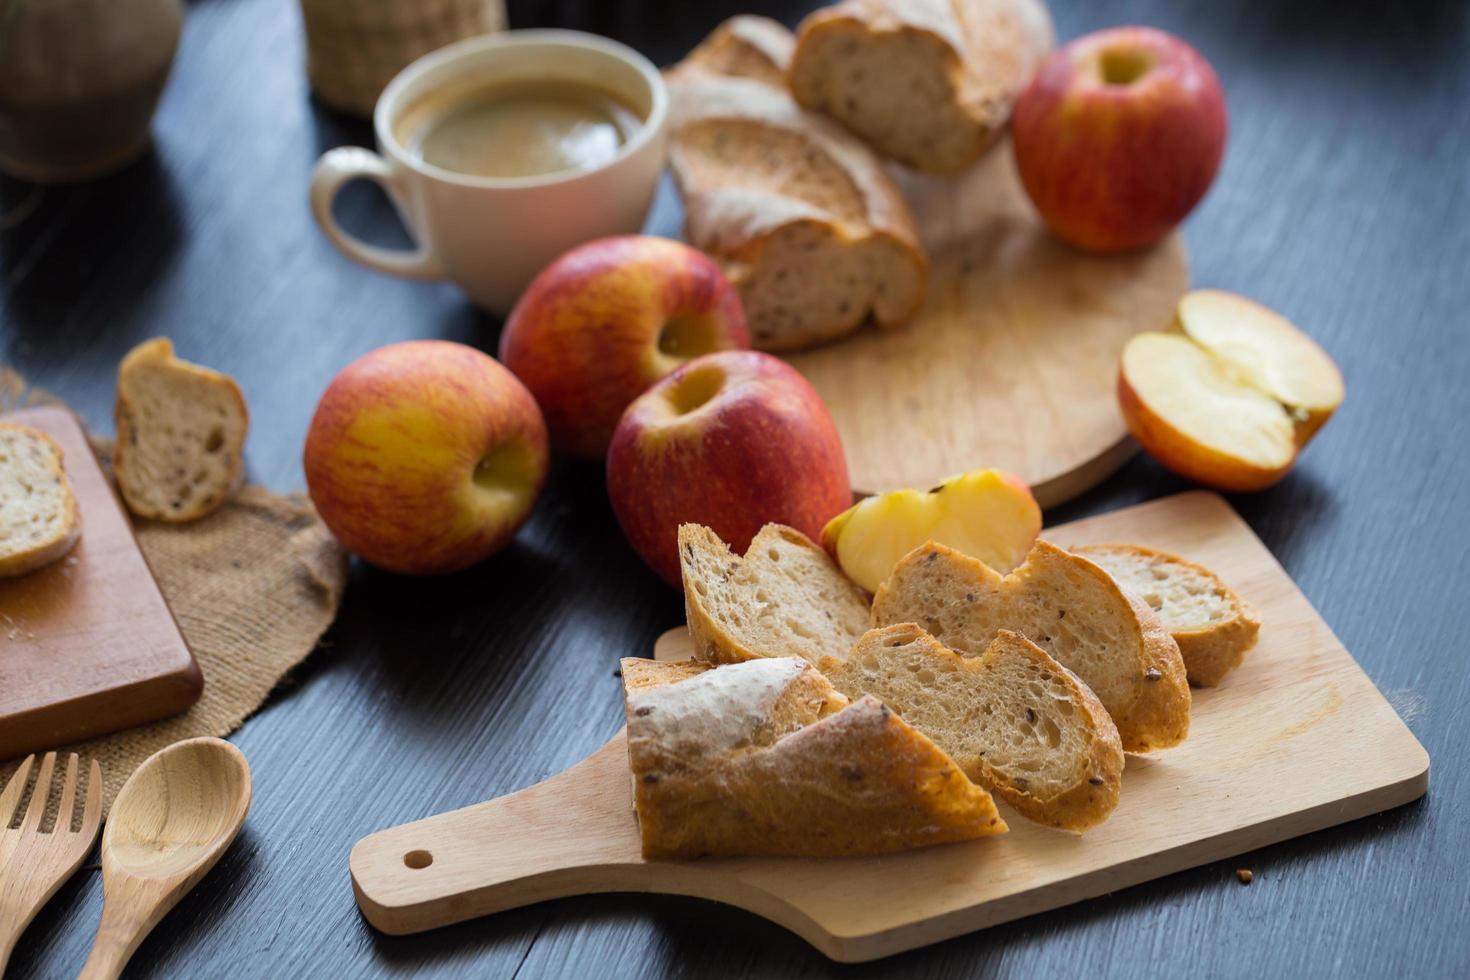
<point x="1012" y="362"/>
<point x="1341" y="203"/>
<point x="1294" y="740"/>
<point x="87" y="644"/>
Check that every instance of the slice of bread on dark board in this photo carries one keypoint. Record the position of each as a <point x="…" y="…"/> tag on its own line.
<point x="1213" y="626"/>
<point x="930" y="83"/>
<point x="786" y="597"/>
<point x="1016" y="721"/>
<point x="766" y="758"/>
<point x="39" y="520"/>
<point x="1064" y="604"/>
<point x="800" y="214"/>
<point x="180" y="434"/>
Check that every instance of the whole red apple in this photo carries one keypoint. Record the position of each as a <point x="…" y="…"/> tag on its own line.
<point x="1119" y="136"/>
<point x="425" y="456"/>
<point x="606" y="320"/>
<point x="733" y="440"/>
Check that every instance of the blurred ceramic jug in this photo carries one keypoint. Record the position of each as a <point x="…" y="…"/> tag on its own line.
<point x="79" y="80"/>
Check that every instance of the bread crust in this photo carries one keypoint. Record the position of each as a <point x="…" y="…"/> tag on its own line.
<point x="1093" y="794"/>
<point x="160" y="352"/>
<point x="737" y="218"/>
<point x="854" y="781"/>
<point x="1154" y="713"/>
<point x="46" y="552"/>
<point x="988" y="50"/>
<point x="712" y="642"/>
<point x="1210" y="652"/>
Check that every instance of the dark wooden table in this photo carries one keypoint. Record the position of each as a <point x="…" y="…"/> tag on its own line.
<point x="1344" y="201"/>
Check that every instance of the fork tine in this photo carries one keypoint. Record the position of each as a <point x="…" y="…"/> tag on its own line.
<point x="10" y="799"/>
<point x="92" y="811"/>
<point x="68" y="797"/>
<point x="39" y="795"/>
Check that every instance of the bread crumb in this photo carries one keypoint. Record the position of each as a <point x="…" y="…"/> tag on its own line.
<point x="1245" y="875"/>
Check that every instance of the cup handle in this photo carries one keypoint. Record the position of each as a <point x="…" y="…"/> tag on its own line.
<point x="347" y="163"/>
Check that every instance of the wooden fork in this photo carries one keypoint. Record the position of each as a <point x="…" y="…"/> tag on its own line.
<point x="32" y="864"/>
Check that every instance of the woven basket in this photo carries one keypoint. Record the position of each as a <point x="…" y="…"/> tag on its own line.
<point x="355" y="47"/>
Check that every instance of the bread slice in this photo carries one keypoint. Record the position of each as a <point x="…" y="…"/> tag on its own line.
<point x="929" y="83"/>
<point x="785" y="598"/>
<point x="1213" y="626"/>
<point x="765" y="758"/>
<point x="1064" y="604"/>
<point x="180" y="434"/>
<point x="1016" y="721"/>
<point x="39" y="520"/>
<point x="800" y="214"/>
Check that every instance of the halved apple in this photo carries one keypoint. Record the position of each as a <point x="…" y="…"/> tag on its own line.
<point x="1232" y="396"/>
<point x="987" y="514"/>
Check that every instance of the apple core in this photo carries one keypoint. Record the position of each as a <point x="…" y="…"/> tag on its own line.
<point x="507" y="474"/>
<point x="692" y="391"/>
<point x="1123" y="66"/>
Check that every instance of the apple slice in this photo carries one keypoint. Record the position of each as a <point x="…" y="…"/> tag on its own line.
<point x="1267" y="350"/>
<point x="987" y="514"/>
<point x="1230" y="399"/>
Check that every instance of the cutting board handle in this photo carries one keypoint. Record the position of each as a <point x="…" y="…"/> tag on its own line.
<point x="547" y="841"/>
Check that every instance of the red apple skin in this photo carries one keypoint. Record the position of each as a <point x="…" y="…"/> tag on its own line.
<point x="761" y="449"/>
<point x="584" y="337"/>
<point x="395" y="446"/>
<point x="1115" y="167"/>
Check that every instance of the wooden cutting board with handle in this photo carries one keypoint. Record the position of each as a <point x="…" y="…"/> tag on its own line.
<point x="1295" y="740"/>
<point x="87" y="644"/>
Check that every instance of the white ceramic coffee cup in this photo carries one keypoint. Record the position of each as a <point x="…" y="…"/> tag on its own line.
<point x="491" y="235"/>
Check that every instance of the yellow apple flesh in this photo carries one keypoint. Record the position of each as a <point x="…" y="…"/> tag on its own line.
<point x="986" y="514"/>
<point x="1231" y="397"/>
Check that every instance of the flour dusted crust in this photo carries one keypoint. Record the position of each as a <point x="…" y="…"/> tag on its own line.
<point x="1069" y="607"/>
<point x="766" y="758"/>
<point x="806" y="224"/>
<point x="1213" y="626"/>
<point x="930" y="83"/>
<point x="39" y="519"/>
<point x="1016" y="721"/>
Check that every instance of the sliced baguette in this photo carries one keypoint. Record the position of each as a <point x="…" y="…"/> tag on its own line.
<point x="180" y="434"/>
<point x="747" y="46"/>
<point x="785" y="598"/>
<point x="930" y="83"/>
<point x="809" y="228"/>
<point x="1213" y="626"/>
<point x="1064" y="604"/>
<point x="39" y="520"/>
<point x="1016" y="721"/>
<point x="765" y="758"/>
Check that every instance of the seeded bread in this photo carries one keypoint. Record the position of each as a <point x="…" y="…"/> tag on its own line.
<point x="1016" y="721"/>
<point x="765" y="758"/>
<point x="1213" y="626"/>
<point x="180" y="434"/>
<point x="785" y="598"/>
<point x="1064" y="604"/>
<point x="39" y="520"/>
<point x="803" y="219"/>
<point x="930" y="83"/>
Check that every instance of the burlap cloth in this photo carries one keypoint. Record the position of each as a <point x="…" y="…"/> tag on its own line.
<point x="253" y="587"/>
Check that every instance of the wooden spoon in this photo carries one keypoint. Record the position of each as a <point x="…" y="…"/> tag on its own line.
<point x="170" y="823"/>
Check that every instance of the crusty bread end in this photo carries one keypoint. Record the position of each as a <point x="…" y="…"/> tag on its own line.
<point x="39" y="519"/>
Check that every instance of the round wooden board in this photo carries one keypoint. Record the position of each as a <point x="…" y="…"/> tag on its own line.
<point x="1013" y="360"/>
